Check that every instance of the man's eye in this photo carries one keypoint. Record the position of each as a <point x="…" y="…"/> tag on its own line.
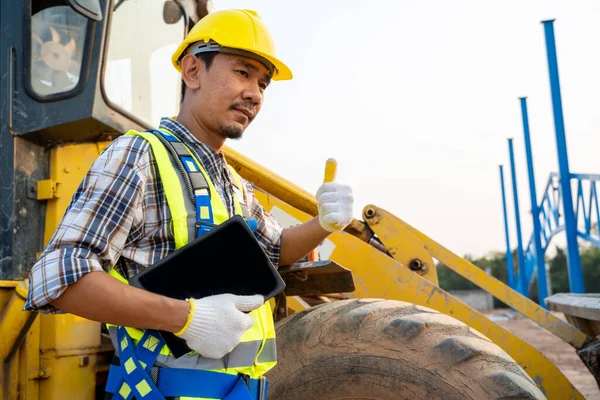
<point x="243" y="73"/>
<point x="263" y="86"/>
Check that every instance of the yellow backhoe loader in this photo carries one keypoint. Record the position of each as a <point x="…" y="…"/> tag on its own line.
<point x="366" y="320"/>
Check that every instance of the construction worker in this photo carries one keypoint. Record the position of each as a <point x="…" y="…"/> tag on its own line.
<point x="150" y="193"/>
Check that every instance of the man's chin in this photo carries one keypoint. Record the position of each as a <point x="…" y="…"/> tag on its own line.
<point x="235" y="136"/>
<point x="233" y="131"/>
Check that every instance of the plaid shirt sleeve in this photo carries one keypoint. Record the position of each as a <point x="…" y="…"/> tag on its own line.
<point x="105" y="213"/>
<point x="269" y="229"/>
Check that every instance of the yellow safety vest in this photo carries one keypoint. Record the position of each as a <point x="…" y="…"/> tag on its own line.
<point x="256" y="353"/>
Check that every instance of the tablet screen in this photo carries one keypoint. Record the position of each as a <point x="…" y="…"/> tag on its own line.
<point x="228" y="259"/>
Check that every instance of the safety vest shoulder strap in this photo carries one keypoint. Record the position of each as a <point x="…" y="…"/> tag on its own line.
<point x="172" y="187"/>
<point x="194" y="178"/>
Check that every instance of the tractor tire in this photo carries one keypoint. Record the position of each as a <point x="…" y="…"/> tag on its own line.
<point x="389" y="350"/>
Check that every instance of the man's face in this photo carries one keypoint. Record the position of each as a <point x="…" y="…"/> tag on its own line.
<point x="230" y="94"/>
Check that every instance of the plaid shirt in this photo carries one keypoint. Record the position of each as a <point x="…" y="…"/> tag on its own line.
<point x="119" y="217"/>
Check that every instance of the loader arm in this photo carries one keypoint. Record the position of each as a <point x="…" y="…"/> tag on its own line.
<point x="391" y="259"/>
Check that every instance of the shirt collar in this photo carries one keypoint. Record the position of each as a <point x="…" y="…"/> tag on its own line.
<point x="212" y="161"/>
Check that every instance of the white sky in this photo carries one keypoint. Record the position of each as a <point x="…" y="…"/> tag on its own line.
<point x="415" y="99"/>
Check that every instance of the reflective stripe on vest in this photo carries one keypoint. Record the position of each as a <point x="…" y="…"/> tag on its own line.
<point x="256" y="353"/>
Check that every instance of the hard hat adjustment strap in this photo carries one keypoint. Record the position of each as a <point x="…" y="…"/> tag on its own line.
<point x="212" y="46"/>
<point x="203" y="47"/>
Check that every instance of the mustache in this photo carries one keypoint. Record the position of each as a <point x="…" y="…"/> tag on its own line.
<point x="245" y="105"/>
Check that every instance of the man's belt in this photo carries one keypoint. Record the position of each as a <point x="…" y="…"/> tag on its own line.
<point x="174" y="382"/>
<point x="132" y="377"/>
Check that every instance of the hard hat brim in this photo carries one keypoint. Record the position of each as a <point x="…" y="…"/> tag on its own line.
<point x="282" y="72"/>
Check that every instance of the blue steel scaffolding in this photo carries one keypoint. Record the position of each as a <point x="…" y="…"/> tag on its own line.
<point x="556" y="212"/>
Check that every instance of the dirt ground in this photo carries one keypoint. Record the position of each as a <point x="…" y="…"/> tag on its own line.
<point x="559" y="352"/>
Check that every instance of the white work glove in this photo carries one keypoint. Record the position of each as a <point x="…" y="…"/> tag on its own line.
<point x="217" y="323"/>
<point x="336" y="206"/>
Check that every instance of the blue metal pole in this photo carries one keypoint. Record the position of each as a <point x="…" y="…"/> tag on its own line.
<point x="520" y="257"/>
<point x="509" y="263"/>
<point x="535" y="213"/>
<point x="573" y="260"/>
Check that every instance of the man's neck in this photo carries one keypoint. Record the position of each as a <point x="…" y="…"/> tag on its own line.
<point x="200" y="131"/>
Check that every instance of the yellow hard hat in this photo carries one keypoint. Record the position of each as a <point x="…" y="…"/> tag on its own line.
<point x="240" y="32"/>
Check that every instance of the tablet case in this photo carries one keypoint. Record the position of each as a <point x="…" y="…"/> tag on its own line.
<point x="227" y="259"/>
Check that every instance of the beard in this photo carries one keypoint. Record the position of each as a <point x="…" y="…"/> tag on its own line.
<point x="234" y="132"/>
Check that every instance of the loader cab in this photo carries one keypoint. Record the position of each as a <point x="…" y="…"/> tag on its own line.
<point x="86" y="69"/>
<point x="75" y="72"/>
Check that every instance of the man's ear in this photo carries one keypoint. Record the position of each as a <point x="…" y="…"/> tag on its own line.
<point x="190" y="71"/>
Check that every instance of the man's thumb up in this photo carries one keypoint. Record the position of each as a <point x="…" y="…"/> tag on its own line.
<point x="334" y="200"/>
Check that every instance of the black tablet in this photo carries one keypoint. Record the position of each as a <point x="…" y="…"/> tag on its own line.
<point x="228" y="259"/>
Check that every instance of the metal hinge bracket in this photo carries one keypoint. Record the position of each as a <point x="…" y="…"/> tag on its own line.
<point x="41" y="190"/>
